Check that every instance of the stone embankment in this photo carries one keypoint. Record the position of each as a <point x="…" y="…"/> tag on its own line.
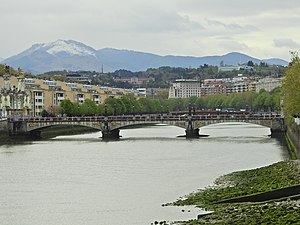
<point x="293" y="136"/>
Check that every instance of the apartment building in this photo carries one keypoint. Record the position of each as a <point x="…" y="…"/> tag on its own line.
<point x="29" y="96"/>
<point x="184" y="88"/>
<point x="268" y="84"/>
<point x="213" y="87"/>
<point x="238" y="87"/>
<point x="135" y="80"/>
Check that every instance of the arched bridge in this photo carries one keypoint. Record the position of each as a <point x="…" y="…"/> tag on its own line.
<point x="110" y="125"/>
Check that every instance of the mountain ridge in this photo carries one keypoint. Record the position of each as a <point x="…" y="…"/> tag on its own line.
<point x="74" y="55"/>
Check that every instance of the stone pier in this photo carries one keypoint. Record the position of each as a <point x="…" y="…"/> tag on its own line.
<point x="278" y="128"/>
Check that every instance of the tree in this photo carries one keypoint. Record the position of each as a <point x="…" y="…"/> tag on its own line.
<point x="67" y="107"/>
<point x="276" y="94"/>
<point x="260" y="100"/>
<point x="250" y="63"/>
<point x="290" y="87"/>
<point x="88" y="108"/>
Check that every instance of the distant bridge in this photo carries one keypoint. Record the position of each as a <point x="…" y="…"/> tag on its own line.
<point x="111" y="125"/>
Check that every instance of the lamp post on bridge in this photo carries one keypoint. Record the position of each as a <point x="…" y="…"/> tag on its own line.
<point x="105" y="109"/>
<point x="115" y="109"/>
<point x="192" y="109"/>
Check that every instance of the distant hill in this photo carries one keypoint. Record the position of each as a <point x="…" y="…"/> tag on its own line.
<point x="73" y="55"/>
<point x="1" y="59"/>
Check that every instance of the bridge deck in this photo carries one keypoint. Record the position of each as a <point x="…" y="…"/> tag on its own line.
<point x="150" y="117"/>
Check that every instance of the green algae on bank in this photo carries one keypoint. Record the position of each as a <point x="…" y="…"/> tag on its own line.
<point x="276" y="212"/>
<point x="245" y="183"/>
<point x="248" y="182"/>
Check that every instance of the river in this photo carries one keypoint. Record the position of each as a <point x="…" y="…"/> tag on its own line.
<point x="82" y="180"/>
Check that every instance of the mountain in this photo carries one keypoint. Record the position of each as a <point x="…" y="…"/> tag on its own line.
<point x="1" y="59"/>
<point x="74" y="56"/>
<point x="58" y="55"/>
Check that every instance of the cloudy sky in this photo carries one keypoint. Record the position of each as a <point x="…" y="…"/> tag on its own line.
<point x="262" y="29"/>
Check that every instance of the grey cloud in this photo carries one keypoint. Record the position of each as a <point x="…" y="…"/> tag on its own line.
<point x="286" y="43"/>
<point x="224" y="30"/>
<point x="161" y="26"/>
<point x="136" y="20"/>
<point x="36" y="7"/>
<point x="234" y="8"/>
<point x="164" y="22"/>
<point x="232" y="45"/>
<point x="232" y="26"/>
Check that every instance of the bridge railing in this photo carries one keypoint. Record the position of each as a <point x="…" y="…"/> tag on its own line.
<point x="149" y="117"/>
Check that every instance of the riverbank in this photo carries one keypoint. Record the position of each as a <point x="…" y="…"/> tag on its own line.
<point x="293" y="139"/>
<point x="248" y="183"/>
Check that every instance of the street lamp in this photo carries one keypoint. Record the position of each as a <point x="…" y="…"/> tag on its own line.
<point x="105" y="109"/>
<point x="115" y="109"/>
<point x="190" y="109"/>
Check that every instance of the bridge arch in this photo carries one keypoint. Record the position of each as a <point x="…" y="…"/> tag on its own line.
<point x="60" y="126"/>
<point x="267" y="124"/>
<point x="111" y="125"/>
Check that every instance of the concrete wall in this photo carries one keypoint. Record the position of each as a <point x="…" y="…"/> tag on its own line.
<point x="295" y="138"/>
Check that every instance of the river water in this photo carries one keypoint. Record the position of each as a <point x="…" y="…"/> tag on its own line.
<point x="82" y="180"/>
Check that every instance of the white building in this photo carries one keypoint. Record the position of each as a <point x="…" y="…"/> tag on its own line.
<point x="38" y="102"/>
<point x="14" y="100"/>
<point x="268" y="84"/>
<point x="142" y="92"/>
<point x="184" y="88"/>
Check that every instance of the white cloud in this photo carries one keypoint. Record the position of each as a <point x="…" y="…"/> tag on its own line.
<point x="182" y="27"/>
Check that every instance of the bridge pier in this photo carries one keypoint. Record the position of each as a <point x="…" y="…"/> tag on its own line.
<point x="278" y="128"/>
<point x="111" y="134"/>
<point x="16" y="128"/>
<point x="108" y="133"/>
<point x="192" y="133"/>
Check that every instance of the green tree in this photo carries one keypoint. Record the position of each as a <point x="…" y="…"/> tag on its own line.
<point x="290" y="87"/>
<point x="276" y="94"/>
<point x="250" y="63"/>
<point x="88" y="108"/>
<point x="67" y="107"/>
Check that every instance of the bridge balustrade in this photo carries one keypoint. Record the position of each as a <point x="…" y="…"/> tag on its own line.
<point x="150" y="117"/>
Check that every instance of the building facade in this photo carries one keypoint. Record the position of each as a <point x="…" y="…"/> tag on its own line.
<point x="14" y="100"/>
<point x="184" y="88"/>
<point x="268" y="84"/>
<point x="21" y="96"/>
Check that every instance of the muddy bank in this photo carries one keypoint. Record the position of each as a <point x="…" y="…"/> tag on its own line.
<point x="246" y="184"/>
